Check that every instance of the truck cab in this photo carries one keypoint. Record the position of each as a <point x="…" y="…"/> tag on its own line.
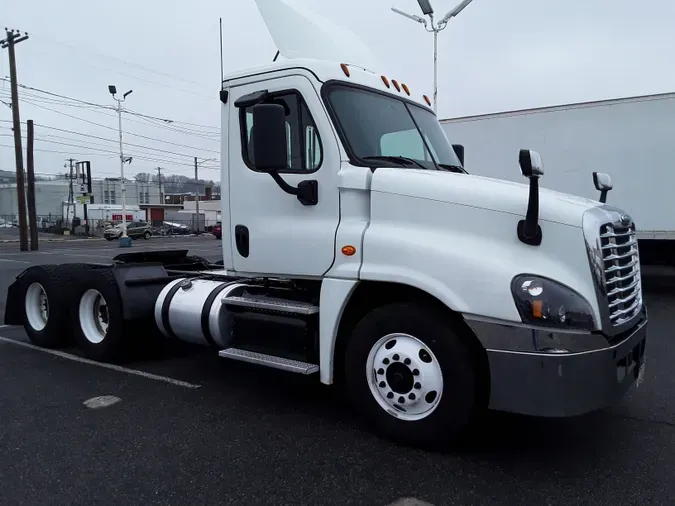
<point x="356" y="246"/>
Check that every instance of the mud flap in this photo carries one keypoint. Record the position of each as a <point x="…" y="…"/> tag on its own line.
<point x="14" y="304"/>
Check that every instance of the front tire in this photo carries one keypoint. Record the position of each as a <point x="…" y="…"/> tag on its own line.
<point x="409" y="371"/>
<point x="146" y="236"/>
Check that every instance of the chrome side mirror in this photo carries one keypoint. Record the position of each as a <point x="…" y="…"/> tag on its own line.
<point x="532" y="167"/>
<point x="603" y="183"/>
<point x="531" y="164"/>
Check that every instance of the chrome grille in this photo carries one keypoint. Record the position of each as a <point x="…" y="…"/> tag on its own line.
<point x="621" y="272"/>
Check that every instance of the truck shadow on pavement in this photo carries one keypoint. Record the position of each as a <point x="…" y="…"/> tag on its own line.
<point x="497" y="437"/>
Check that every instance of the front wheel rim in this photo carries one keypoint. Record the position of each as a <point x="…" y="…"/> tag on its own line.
<point x="94" y="316"/>
<point x="37" y="306"/>
<point x="404" y="377"/>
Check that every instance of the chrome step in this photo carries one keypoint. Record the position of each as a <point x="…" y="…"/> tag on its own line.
<point x="272" y="304"/>
<point x="285" y="364"/>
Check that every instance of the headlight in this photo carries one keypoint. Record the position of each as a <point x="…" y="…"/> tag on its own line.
<point x="541" y="301"/>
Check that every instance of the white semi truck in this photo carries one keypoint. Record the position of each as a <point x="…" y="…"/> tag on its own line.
<point x="357" y="248"/>
<point x="623" y="137"/>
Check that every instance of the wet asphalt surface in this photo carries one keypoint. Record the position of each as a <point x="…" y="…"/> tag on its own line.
<point x="251" y="435"/>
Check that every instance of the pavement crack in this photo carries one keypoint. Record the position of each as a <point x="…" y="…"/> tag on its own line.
<point x="646" y="420"/>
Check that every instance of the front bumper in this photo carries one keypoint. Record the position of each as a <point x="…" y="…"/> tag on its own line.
<point x="556" y="374"/>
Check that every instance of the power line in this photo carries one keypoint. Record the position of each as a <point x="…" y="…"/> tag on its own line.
<point x="102" y="106"/>
<point x="108" y="110"/>
<point x="127" y="62"/>
<point x="112" y="140"/>
<point x="182" y="130"/>
<point x="109" y="154"/>
<point x="140" y="67"/>
<point x="136" y="145"/>
<point x="109" y="127"/>
<point x="139" y="146"/>
<point x="93" y="146"/>
<point x="45" y="92"/>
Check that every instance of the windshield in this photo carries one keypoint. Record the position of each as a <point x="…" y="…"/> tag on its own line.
<point x="376" y="125"/>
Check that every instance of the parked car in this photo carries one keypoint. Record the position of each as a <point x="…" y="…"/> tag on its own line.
<point x="135" y="230"/>
<point x="171" y="228"/>
<point x="217" y="230"/>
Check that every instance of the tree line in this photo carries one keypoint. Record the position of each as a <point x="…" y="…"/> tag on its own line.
<point x="170" y="183"/>
<point x="174" y="183"/>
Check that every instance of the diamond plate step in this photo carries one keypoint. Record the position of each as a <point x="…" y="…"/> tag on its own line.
<point x="285" y="364"/>
<point x="272" y="304"/>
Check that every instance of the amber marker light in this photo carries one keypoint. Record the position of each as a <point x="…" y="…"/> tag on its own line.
<point x="345" y="68"/>
<point x="537" y="308"/>
<point x="348" y="250"/>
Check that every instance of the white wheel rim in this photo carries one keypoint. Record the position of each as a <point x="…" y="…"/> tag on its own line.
<point x="37" y="306"/>
<point x="94" y="318"/>
<point x="404" y="377"/>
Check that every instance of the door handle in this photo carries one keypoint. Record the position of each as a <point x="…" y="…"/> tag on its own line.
<point x="241" y="240"/>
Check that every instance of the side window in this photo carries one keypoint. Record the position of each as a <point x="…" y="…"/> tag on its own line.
<point x="302" y="136"/>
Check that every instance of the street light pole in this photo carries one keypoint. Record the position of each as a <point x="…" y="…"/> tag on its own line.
<point x="125" y="242"/>
<point x="427" y="10"/>
<point x="435" y="68"/>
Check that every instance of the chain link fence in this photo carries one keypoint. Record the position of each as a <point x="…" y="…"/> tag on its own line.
<point x="50" y="224"/>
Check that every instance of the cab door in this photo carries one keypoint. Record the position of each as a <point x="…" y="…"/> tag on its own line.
<point x="273" y="233"/>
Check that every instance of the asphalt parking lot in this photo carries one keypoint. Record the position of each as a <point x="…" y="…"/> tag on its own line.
<point x="190" y="428"/>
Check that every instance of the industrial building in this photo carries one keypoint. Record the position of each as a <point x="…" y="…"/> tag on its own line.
<point x="50" y="195"/>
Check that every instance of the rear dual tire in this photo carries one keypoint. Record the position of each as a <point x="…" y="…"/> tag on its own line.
<point x="48" y="292"/>
<point x="98" y="323"/>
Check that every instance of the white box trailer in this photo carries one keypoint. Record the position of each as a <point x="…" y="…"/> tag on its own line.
<point x="631" y="139"/>
<point x="103" y="212"/>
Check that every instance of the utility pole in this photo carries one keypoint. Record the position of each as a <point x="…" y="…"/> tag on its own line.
<point x="159" y="182"/>
<point x="12" y="38"/>
<point x="30" y="168"/>
<point x="197" y="184"/>
<point x="84" y="168"/>
<point x="70" y="189"/>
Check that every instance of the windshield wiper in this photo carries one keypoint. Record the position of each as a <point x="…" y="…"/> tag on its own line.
<point x="403" y="160"/>
<point x="453" y="168"/>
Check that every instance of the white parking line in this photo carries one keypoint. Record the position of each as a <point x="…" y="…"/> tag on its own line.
<point x="71" y="253"/>
<point x="112" y="367"/>
<point x="14" y="261"/>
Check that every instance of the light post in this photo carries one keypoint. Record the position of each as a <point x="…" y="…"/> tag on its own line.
<point x="197" y="186"/>
<point x="427" y="10"/>
<point x="125" y="241"/>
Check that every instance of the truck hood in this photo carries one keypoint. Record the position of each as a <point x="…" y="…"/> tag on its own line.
<point x="483" y="192"/>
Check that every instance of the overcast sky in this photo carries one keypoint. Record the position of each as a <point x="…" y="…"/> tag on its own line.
<point x="497" y="55"/>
